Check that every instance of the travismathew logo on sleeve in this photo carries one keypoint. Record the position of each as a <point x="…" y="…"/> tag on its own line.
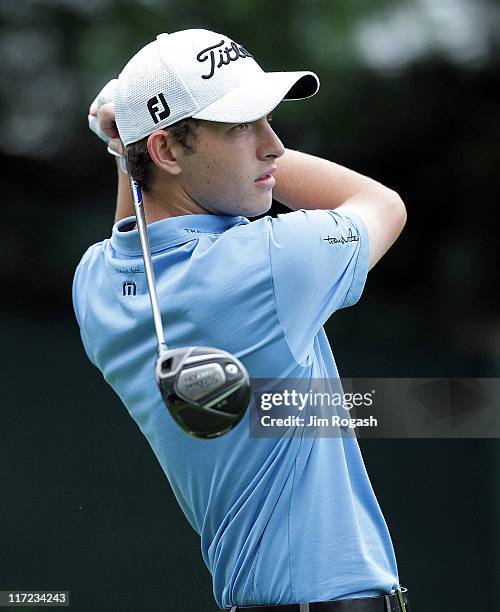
<point x="226" y="55"/>
<point x="342" y="239"/>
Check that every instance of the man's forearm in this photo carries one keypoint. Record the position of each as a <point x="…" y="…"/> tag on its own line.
<point x="306" y="181"/>
<point x="124" y="202"/>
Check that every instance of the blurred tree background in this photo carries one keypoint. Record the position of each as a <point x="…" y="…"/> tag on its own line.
<point x="409" y="96"/>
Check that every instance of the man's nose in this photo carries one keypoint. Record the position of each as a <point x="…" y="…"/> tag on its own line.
<point x="270" y="145"/>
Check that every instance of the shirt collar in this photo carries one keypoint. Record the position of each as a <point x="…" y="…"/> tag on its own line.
<point x="171" y="231"/>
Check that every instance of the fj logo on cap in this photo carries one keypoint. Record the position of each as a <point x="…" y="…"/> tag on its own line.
<point x="226" y="55"/>
<point x="154" y="109"/>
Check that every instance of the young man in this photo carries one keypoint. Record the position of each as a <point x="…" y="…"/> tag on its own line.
<point x="285" y="520"/>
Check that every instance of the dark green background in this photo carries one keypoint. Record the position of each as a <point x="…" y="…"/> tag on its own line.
<point x="84" y="505"/>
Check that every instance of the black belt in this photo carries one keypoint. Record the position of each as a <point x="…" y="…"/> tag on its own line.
<point x="397" y="602"/>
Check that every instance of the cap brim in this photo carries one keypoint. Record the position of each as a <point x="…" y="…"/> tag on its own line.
<point x="257" y="97"/>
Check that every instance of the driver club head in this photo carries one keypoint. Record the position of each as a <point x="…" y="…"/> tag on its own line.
<point x="206" y="390"/>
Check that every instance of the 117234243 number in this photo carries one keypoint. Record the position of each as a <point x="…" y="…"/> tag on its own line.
<point x="34" y="598"/>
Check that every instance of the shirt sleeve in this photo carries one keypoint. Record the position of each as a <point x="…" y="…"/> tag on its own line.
<point x="319" y="263"/>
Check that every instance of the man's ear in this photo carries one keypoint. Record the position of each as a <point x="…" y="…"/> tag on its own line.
<point x="163" y="151"/>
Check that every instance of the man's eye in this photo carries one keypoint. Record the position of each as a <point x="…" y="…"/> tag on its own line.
<point x="240" y="127"/>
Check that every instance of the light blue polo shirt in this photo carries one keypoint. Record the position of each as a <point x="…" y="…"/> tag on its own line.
<point x="282" y="519"/>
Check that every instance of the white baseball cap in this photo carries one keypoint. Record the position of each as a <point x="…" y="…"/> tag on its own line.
<point x="200" y="74"/>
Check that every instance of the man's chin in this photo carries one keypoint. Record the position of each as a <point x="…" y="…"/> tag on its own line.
<point x="265" y="208"/>
<point x="252" y="211"/>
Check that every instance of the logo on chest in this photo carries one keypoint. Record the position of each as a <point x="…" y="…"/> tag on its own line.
<point x="129" y="288"/>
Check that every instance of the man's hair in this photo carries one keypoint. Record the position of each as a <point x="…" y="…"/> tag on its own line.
<point x="139" y="162"/>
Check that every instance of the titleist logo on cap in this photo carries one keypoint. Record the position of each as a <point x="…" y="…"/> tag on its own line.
<point x="226" y="55"/>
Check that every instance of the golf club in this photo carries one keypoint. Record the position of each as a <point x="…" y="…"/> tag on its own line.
<point x="206" y="390"/>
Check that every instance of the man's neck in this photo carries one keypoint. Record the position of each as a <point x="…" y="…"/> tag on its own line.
<point x="165" y="201"/>
<point x="165" y="204"/>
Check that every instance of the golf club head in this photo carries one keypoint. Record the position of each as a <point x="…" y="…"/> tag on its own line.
<point x="206" y="390"/>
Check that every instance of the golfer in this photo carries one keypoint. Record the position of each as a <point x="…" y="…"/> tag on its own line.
<point x="288" y="521"/>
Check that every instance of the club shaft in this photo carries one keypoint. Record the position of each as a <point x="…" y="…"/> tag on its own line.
<point x="148" y="264"/>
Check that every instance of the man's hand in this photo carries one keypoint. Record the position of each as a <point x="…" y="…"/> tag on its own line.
<point x="102" y="121"/>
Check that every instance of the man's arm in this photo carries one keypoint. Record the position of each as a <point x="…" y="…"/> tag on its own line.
<point x="124" y="202"/>
<point x="302" y="181"/>
<point x="305" y="181"/>
<point x="101" y="119"/>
